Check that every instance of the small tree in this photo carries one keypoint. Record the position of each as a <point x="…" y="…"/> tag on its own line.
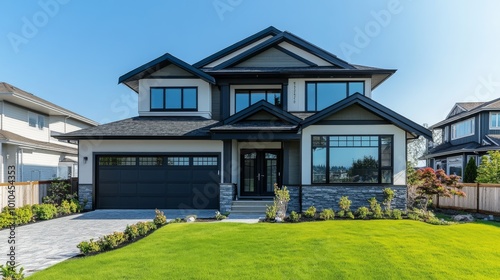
<point x="436" y="182"/>
<point x="489" y="169"/>
<point x="281" y="199"/>
<point x="470" y="173"/>
<point x="388" y="198"/>
<point x="412" y="182"/>
<point x="58" y="191"/>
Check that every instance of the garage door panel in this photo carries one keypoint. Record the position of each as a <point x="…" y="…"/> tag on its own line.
<point x="151" y="188"/>
<point x="150" y="202"/>
<point x="118" y="202"/>
<point x="155" y="175"/>
<point x="129" y="175"/>
<point x="106" y="175"/>
<point x="179" y="189"/>
<point x="108" y="188"/>
<point x="127" y="189"/>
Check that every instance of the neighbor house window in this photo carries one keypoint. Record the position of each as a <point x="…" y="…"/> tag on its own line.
<point x="320" y="95"/>
<point x="352" y="159"/>
<point x="495" y="120"/>
<point x="36" y="120"/>
<point x="455" y="166"/>
<point x="174" y="98"/>
<point x="462" y="129"/>
<point x="245" y="98"/>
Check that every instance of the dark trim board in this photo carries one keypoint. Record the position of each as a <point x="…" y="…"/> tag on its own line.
<point x="352" y="122"/>
<point x="262" y="106"/>
<point x="256" y="136"/>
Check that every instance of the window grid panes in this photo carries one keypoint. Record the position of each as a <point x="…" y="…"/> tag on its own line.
<point x="462" y="129"/>
<point x="245" y="98"/>
<point x="174" y="98"/>
<point x="352" y="159"/>
<point x="179" y="161"/>
<point x="205" y="161"/>
<point x="320" y="95"/>
<point x="494" y="120"/>
<point x="118" y="161"/>
<point x="151" y="161"/>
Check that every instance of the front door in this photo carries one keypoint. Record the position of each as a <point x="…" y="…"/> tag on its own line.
<point x="260" y="170"/>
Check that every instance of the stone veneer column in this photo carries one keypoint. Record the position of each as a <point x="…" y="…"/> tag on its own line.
<point x="85" y="192"/>
<point x="226" y="197"/>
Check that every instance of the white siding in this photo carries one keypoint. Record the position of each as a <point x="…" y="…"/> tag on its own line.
<point x="297" y="91"/>
<point x="61" y="124"/>
<point x="399" y="145"/>
<point x="87" y="148"/>
<point x="37" y="165"/>
<point x="15" y="120"/>
<point x="204" y="96"/>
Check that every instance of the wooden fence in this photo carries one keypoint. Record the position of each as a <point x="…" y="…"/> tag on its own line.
<point x="483" y="198"/>
<point x="29" y="192"/>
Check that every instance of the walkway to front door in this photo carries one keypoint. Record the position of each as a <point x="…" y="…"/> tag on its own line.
<point x="260" y="170"/>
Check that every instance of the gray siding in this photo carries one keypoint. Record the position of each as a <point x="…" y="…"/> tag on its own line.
<point x="216" y="113"/>
<point x="354" y="112"/>
<point x="272" y="58"/>
<point x="472" y="138"/>
<point x="291" y="163"/>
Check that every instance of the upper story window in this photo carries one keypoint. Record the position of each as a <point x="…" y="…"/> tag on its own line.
<point x="345" y="159"/>
<point x="245" y="98"/>
<point x="174" y="98"/>
<point x="36" y="120"/>
<point x="495" y="120"/>
<point x="320" y="95"/>
<point x="462" y="129"/>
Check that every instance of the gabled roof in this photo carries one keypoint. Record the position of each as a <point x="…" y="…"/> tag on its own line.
<point x="131" y="79"/>
<point x="374" y="107"/>
<point x="270" y="31"/>
<point x="469" y="109"/>
<point x="266" y="107"/>
<point x="292" y="39"/>
<point x="18" y="96"/>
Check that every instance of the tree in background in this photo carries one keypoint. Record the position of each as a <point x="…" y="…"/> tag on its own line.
<point x="489" y="169"/>
<point x="436" y="182"/>
<point x="470" y="173"/>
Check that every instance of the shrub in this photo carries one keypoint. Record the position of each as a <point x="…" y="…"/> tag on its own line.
<point x="362" y="212"/>
<point x="281" y="199"/>
<point x="375" y="208"/>
<point x="294" y="217"/>
<point x="341" y="213"/>
<point x="160" y="218"/>
<point x="6" y="219"/>
<point x="59" y="190"/>
<point x="9" y="272"/>
<point x="388" y="198"/>
<point x="131" y="232"/>
<point x="44" y="211"/>
<point x="345" y="204"/>
<point x="271" y="212"/>
<point x="396" y="214"/>
<point x="349" y="215"/>
<point x="75" y="206"/>
<point x="64" y="208"/>
<point x="327" y="214"/>
<point x="88" y="247"/>
<point x="176" y="220"/>
<point x="219" y="216"/>
<point x="310" y="212"/>
<point x="23" y="215"/>
<point x="110" y="241"/>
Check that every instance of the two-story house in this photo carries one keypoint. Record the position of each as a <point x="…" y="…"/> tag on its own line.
<point x="27" y="126"/>
<point x="271" y="108"/>
<point x="470" y="130"/>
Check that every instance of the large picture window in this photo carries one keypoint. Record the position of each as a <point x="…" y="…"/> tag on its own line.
<point x="174" y="98"/>
<point x="462" y="129"/>
<point x="320" y="95"/>
<point x="245" y="98"/>
<point x="352" y="159"/>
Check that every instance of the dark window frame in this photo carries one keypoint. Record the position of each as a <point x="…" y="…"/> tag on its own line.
<point x="248" y="91"/>
<point x="380" y="167"/>
<point x="326" y="82"/>
<point x="164" y="108"/>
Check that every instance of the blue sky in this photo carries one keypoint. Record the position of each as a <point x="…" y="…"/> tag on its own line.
<point x="72" y="52"/>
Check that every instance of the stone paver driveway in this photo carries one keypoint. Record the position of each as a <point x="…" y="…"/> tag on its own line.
<point x="46" y="243"/>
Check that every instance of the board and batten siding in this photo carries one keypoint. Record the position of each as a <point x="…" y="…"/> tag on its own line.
<point x="204" y="97"/>
<point x="88" y="148"/>
<point x="297" y="90"/>
<point x="15" y="120"/>
<point x="399" y="145"/>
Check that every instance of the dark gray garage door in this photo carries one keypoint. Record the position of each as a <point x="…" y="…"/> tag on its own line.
<point x="163" y="182"/>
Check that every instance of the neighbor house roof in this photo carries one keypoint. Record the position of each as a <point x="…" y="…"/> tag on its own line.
<point x="470" y="109"/>
<point x="16" y="139"/>
<point x="488" y="143"/>
<point x="146" y="127"/>
<point x="18" y="96"/>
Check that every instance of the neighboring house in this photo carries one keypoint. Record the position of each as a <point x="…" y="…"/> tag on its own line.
<point x="469" y="131"/>
<point x="271" y="108"/>
<point x="27" y="126"/>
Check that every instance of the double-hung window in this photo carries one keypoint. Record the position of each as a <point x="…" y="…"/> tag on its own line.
<point x="462" y="129"/>
<point x="495" y="120"/>
<point x="346" y="159"/>
<point x="174" y="98"/>
<point x="320" y="95"/>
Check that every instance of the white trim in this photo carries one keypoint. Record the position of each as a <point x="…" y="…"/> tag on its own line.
<point x="498" y="120"/>
<point x="453" y="137"/>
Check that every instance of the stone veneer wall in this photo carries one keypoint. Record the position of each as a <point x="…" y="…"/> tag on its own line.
<point x="294" y="203"/>
<point x="85" y="192"/>
<point x="328" y="196"/>
<point x="226" y="197"/>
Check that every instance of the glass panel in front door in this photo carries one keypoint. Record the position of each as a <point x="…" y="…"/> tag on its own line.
<point x="271" y="164"/>
<point x="249" y="172"/>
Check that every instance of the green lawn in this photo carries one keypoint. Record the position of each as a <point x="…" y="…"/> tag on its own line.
<point x="379" y="249"/>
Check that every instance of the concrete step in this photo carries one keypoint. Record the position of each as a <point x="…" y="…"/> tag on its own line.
<point x="252" y="202"/>
<point x="246" y="207"/>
